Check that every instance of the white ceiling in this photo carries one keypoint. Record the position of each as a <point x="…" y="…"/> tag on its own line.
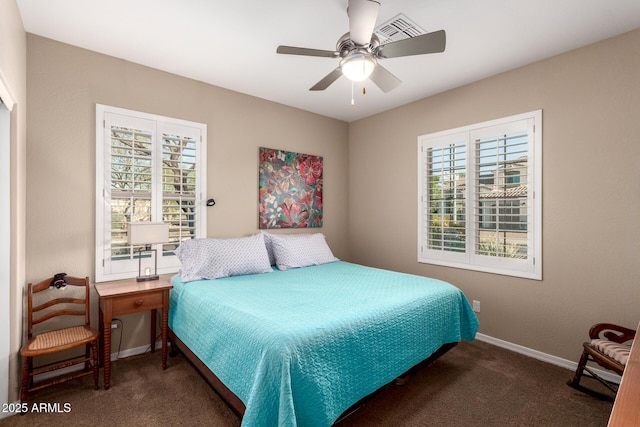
<point x="232" y="44"/>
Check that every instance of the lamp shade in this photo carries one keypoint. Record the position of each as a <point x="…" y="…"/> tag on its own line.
<point x="358" y="66"/>
<point x="147" y="233"/>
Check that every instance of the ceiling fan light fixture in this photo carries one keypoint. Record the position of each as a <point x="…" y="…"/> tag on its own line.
<point x="358" y="66"/>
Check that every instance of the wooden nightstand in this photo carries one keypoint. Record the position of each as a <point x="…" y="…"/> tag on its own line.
<point x="129" y="296"/>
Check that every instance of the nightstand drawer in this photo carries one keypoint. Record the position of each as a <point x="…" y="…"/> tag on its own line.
<point x="134" y="303"/>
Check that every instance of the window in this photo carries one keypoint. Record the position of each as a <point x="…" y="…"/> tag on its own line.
<point x="480" y="196"/>
<point x="148" y="168"/>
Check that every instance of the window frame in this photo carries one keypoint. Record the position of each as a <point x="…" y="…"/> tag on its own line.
<point x="160" y="127"/>
<point x="529" y="267"/>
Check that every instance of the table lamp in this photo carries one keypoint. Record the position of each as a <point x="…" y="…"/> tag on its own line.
<point x="147" y="234"/>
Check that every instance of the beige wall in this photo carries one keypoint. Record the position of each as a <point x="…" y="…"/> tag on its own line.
<point x="13" y="66"/>
<point x="66" y="82"/>
<point x="590" y="100"/>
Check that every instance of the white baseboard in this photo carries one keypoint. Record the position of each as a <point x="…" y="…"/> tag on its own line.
<point x="535" y="354"/>
<point x="136" y="351"/>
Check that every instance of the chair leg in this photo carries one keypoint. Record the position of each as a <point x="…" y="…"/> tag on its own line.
<point x="87" y="353"/>
<point x="575" y="381"/>
<point x="96" y="365"/>
<point x="26" y="363"/>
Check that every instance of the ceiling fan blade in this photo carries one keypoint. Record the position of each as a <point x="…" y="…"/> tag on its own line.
<point x="434" y="42"/>
<point x="363" y="15"/>
<point x="384" y="79"/>
<point x="290" y="50"/>
<point x="327" y="80"/>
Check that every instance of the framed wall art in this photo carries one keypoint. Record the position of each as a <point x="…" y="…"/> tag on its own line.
<point x="290" y="189"/>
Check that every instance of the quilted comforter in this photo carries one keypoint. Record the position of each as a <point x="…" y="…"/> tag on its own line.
<point x="299" y="347"/>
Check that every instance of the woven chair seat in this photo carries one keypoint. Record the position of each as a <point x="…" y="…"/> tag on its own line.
<point x="55" y="340"/>
<point x="618" y="352"/>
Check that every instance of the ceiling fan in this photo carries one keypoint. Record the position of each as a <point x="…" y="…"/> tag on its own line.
<point x="359" y="50"/>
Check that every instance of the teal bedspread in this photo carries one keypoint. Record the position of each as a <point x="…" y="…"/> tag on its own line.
<point x="299" y="347"/>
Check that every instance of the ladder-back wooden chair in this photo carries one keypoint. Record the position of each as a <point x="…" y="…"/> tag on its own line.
<point x="57" y="297"/>
<point x="609" y="347"/>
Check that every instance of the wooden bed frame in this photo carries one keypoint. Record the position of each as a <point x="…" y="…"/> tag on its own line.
<point x="227" y="395"/>
<point x="238" y="407"/>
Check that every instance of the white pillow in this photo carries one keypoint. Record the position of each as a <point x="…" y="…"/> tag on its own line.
<point x="300" y="250"/>
<point x="269" y="244"/>
<point x="216" y="258"/>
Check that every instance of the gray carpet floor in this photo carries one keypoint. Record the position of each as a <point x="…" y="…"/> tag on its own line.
<point x="474" y="384"/>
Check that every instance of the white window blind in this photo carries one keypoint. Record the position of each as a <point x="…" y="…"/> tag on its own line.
<point x="180" y="186"/>
<point x="480" y="197"/>
<point x="445" y="223"/>
<point x="149" y="168"/>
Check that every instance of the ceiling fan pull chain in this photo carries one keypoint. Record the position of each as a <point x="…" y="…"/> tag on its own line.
<point x="353" y="102"/>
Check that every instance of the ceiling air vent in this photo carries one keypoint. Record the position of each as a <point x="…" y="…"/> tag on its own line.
<point x="397" y="28"/>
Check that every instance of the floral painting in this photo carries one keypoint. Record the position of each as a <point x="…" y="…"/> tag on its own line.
<point x="290" y="189"/>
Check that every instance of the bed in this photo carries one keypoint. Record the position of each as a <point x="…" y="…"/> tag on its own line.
<point x="298" y="346"/>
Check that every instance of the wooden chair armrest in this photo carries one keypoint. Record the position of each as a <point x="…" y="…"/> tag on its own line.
<point x="612" y="332"/>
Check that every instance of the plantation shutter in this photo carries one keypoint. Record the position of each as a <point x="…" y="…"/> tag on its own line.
<point x="444" y="196"/>
<point x="502" y="197"/>
<point x="180" y="174"/>
<point x="149" y="170"/>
